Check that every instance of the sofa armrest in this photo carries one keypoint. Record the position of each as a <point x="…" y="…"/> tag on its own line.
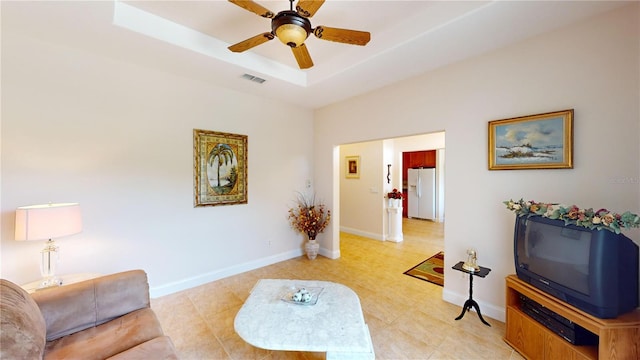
<point x="75" y="307"/>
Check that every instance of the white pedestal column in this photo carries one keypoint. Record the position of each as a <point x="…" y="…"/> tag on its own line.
<point x="394" y="214"/>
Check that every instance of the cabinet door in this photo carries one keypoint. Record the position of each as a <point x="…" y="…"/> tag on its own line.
<point x="430" y="158"/>
<point x="525" y="334"/>
<point x="556" y="348"/>
<point x="416" y="159"/>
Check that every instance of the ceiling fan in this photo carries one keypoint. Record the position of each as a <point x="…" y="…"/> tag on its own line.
<point x="293" y="27"/>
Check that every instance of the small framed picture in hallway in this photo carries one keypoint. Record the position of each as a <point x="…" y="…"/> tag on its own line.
<point x="352" y="170"/>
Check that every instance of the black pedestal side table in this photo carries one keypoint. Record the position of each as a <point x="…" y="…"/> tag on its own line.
<point x="470" y="302"/>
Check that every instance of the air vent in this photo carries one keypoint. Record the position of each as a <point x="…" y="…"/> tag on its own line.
<point x="253" y="78"/>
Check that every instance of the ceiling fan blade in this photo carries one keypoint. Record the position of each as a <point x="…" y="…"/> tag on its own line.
<point x="308" y="8"/>
<point x="251" y="42"/>
<point x="302" y="56"/>
<point x="353" y="37"/>
<point x="254" y="8"/>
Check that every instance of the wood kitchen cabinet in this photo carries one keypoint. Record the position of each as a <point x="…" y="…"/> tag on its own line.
<point x="418" y="159"/>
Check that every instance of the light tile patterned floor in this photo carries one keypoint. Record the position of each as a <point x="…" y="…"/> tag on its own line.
<point x="406" y="316"/>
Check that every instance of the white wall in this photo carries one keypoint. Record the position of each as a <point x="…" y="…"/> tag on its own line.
<point x="441" y="166"/>
<point x="362" y="199"/>
<point x="592" y="67"/>
<point x="420" y="142"/>
<point x="117" y="138"/>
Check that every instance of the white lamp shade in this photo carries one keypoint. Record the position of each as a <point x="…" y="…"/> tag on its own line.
<point x="42" y="222"/>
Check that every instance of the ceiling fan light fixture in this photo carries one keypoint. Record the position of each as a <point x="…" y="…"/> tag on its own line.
<point x="290" y="28"/>
<point x="292" y="35"/>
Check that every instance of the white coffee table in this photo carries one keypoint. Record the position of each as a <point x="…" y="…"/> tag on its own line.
<point x="334" y="324"/>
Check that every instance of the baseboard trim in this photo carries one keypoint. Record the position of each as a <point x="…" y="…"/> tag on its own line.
<point x="329" y="254"/>
<point x="188" y="283"/>
<point x="369" y="235"/>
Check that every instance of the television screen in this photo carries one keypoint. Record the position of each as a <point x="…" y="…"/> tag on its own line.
<point x="558" y="253"/>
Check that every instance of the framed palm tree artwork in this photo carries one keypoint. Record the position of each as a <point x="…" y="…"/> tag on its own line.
<point x="219" y="168"/>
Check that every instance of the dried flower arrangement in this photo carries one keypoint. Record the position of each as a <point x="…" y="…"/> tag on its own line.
<point x="308" y="216"/>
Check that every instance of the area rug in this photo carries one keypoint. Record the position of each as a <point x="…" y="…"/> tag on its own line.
<point x="431" y="270"/>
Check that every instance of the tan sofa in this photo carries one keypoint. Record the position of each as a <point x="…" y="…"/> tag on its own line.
<point x="104" y="318"/>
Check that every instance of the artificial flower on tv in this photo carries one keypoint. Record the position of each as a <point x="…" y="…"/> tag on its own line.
<point x="573" y="215"/>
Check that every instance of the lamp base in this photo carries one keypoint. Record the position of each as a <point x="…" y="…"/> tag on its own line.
<point x="48" y="265"/>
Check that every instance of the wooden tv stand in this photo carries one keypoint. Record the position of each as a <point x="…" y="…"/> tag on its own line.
<point x="619" y="338"/>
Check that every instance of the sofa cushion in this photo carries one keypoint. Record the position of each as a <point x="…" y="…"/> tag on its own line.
<point x="108" y="339"/>
<point x="75" y="307"/>
<point x="22" y="327"/>
<point x="157" y="349"/>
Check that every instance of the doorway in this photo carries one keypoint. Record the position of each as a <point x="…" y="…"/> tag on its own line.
<point x="362" y="200"/>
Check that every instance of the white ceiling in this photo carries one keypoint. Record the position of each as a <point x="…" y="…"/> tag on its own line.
<point x="189" y="38"/>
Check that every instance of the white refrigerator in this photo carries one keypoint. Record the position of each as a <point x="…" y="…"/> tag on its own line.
<point x="422" y="193"/>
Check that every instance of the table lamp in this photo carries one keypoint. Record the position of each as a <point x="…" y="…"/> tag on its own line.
<point x="46" y="222"/>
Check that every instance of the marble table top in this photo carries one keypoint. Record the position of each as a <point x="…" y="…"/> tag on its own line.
<point x="334" y="324"/>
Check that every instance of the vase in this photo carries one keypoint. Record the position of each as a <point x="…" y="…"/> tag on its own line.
<point x="312" y="247"/>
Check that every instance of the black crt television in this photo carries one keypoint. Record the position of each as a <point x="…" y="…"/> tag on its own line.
<point x="593" y="270"/>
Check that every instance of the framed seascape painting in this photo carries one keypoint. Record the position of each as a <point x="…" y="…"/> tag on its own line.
<point x="219" y="168"/>
<point x="352" y="170"/>
<point x="542" y="141"/>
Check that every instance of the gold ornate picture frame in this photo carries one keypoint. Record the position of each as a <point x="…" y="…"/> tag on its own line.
<point x="352" y="169"/>
<point x="541" y="141"/>
<point x="219" y="168"/>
